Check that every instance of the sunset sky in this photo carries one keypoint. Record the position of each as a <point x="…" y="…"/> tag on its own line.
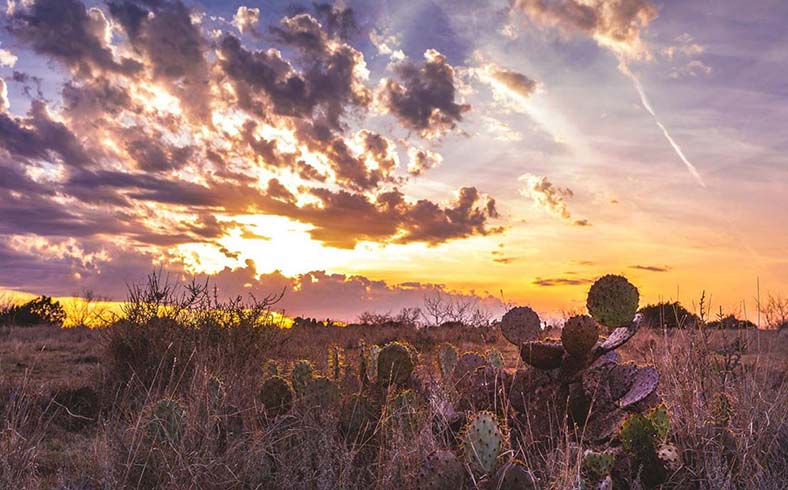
<point x="366" y="152"/>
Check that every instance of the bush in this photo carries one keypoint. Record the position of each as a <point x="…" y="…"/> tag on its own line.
<point x="39" y="311"/>
<point x="668" y="315"/>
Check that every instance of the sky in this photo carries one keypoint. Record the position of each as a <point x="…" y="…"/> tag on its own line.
<point x="362" y="154"/>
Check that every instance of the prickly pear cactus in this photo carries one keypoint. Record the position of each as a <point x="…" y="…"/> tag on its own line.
<point x="520" y="324"/>
<point x="395" y="364"/>
<point x="358" y="419"/>
<point x="597" y="465"/>
<point x="402" y="411"/>
<point x="441" y="470"/>
<point x="514" y="476"/>
<point x="320" y="392"/>
<point x="166" y="422"/>
<point x="613" y="301"/>
<point x="495" y="358"/>
<point x="641" y="437"/>
<point x="447" y="359"/>
<point x="542" y="354"/>
<point x="466" y="364"/>
<point x="645" y="382"/>
<point x="303" y="372"/>
<point x="670" y="457"/>
<point x="270" y="368"/>
<point x="580" y="335"/>
<point x="276" y="396"/>
<point x="482" y="443"/>
<point x="336" y="361"/>
<point x="363" y="364"/>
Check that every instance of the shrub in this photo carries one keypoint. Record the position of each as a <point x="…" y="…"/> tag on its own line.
<point x="40" y="311"/>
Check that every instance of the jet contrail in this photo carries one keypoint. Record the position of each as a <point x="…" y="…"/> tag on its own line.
<point x="644" y="100"/>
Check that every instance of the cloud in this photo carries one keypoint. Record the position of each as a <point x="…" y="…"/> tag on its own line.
<point x="560" y="281"/>
<point x="614" y="24"/>
<point x="246" y="19"/>
<point x="549" y="197"/>
<point x="420" y="160"/>
<point x="4" y="104"/>
<point x="651" y="268"/>
<point x="170" y="131"/>
<point x="424" y="100"/>
<point x="514" y="81"/>
<point x="7" y="58"/>
<point x="67" y="32"/>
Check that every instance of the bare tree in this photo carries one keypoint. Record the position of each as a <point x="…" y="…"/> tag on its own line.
<point x="775" y="311"/>
<point x="87" y="309"/>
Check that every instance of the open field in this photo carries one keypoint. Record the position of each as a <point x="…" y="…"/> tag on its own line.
<point x="74" y="420"/>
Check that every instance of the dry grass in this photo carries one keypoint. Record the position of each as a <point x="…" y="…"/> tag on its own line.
<point x="56" y="436"/>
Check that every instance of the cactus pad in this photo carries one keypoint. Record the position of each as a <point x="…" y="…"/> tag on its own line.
<point x="467" y="363"/>
<point x="618" y="337"/>
<point x="495" y="358"/>
<point x="276" y="396"/>
<point x="320" y="392"/>
<point x="670" y="457"/>
<point x="482" y="443"/>
<point x="372" y="362"/>
<point x="270" y="368"/>
<point x="660" y="418"/>
<point x="620" y="379"/>
<point x="514" y="476"/>
<point x="613" y="301"/>
<point x="302" y="374"/>
<point x="447" y="359"/>
<point x="358" y="419"/>
<point x="166" y="422"/>
<point x="579" y="335"/>
<point x="542" y="354"/>
<point x="520" y="324"/>
<point x="395" y="364"/>
<point x="441" y="470"/>
<point x="336" y="361"/>
<point x="644" y="384"/>
<point x="597" y="465"/>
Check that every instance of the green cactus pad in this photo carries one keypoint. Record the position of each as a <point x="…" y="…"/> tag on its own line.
<point x="613" y="301"/>
<point x="638" y="436"/>
<point x="514" y="476"/>
<point x="447" y="359"/>
<point x="542" y="354"/>
<point x="320" y="392"/>
<point x="597" y="465"/>
<point x="520" y="324"/>
<point x="166" y="422"/>
<point x="276" y="396"/>
<point x="467" y="363"/>
<point x="441" y="470"/>
<point x="358" y="419"/>
<point x="645" y="383"/>
<point x="303" y="372"/>
<point x="395" y="364"/>
<point x="482" y="443"/>
<point x="660" y="418"/>
<point x="495" y="358"/>
<point x="580" y="335"/>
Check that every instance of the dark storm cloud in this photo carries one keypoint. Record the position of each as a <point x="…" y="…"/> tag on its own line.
<point x="424" y="99"/>
<point x="67" y="32"/>
<point x="37" y="136"/>
<point x="94" y="98"/>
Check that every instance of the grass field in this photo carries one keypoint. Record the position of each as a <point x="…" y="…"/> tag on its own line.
<point x="76" y="403"/>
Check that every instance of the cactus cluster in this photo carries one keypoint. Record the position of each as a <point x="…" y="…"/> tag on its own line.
<point x="395" y="364"/>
